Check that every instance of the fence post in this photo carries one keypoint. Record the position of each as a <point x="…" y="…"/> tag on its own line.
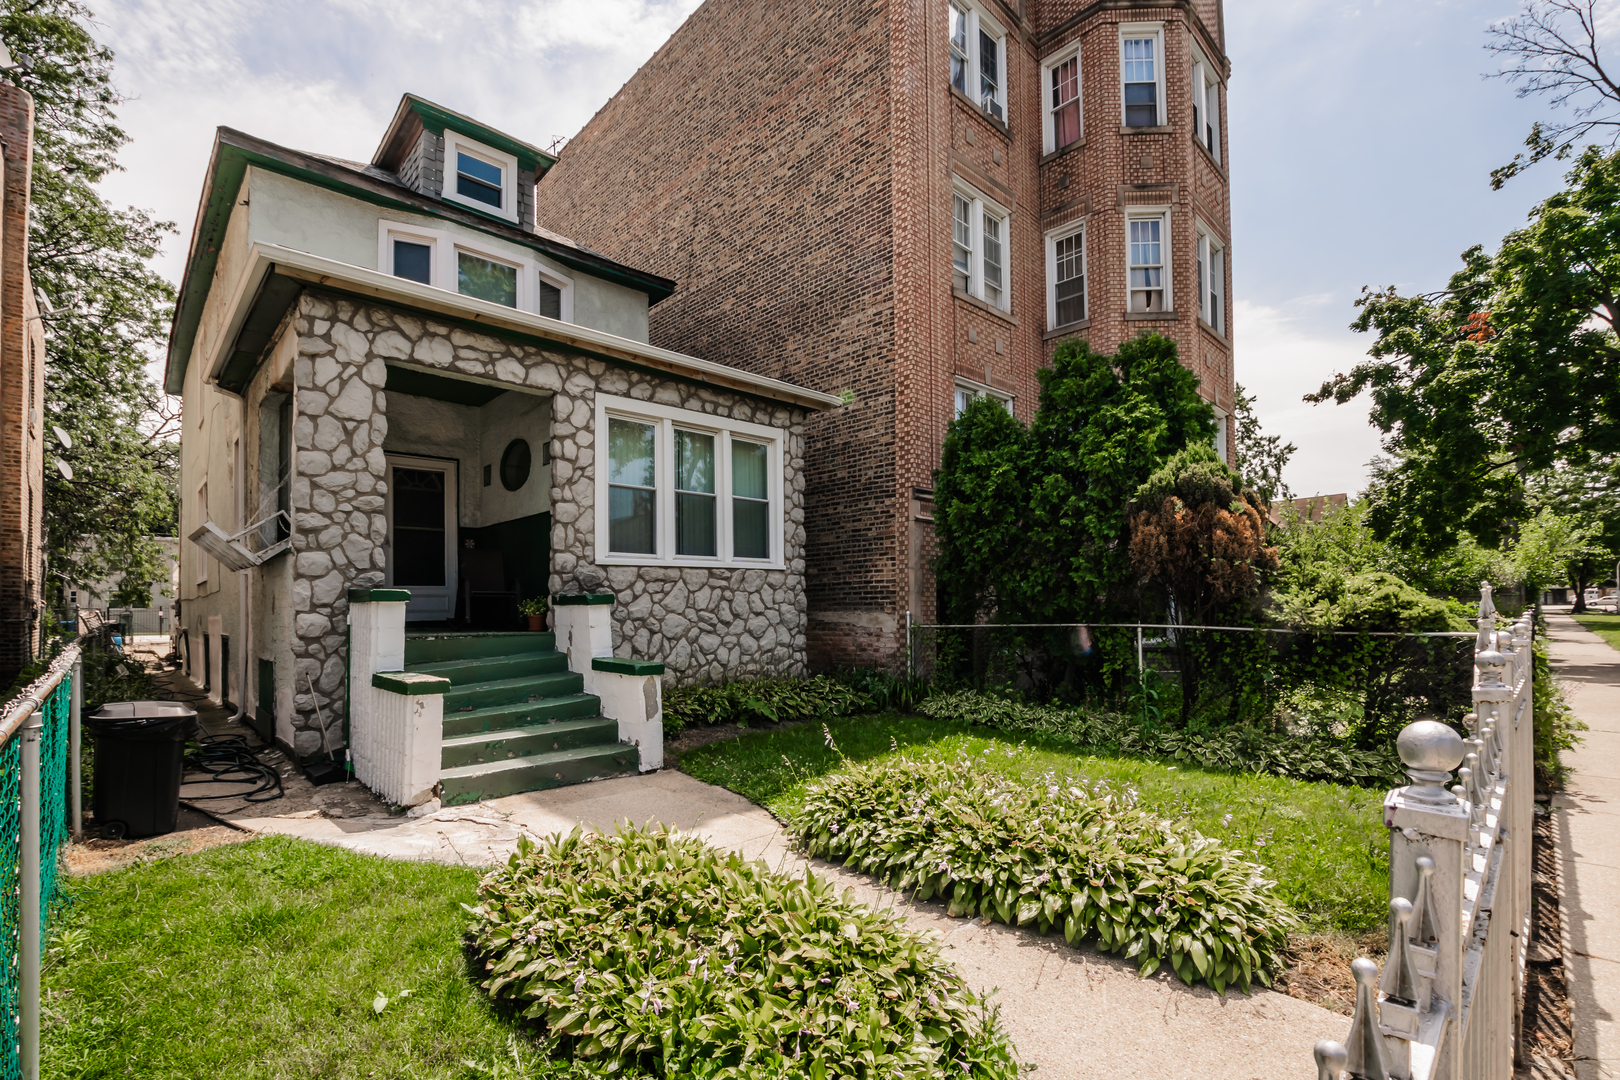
<point x="29" y="929"/>
<point x="75" y="735"/>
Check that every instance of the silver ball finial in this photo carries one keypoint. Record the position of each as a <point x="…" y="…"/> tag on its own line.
<point x="1331" y="1058"/>
<point x="1430" y="751"/>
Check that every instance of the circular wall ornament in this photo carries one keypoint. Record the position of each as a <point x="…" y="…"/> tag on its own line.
<point x="515" y="463"/>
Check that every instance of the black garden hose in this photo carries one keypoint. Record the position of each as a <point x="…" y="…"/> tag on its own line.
<point x="229" y="759"/>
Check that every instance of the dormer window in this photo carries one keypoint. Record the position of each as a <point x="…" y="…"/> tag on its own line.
<point x="480" y="176"/>
<point x="460" y="263"/>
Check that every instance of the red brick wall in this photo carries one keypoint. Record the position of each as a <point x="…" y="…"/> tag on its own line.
<point x="22" y="399"/>
<point x="791" y="167"/>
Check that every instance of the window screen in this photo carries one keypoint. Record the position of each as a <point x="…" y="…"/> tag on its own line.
<point x="750" y="500"/>
<point x="694" y="494"/>
<point x="413" y="261"/>
<point x="1141" y="83"/>
<point x="478" y="180"/>
<point x="632" y="487"/>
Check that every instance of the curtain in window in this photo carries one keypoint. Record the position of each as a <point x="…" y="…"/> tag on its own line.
<point x="632" y="487"/>
<point x="1141" y="86"/>
<point x="750" y="501"/>
<point x="694" y="494"/>
<point x="1066" y="103"/>
<point x="959" y="48"/>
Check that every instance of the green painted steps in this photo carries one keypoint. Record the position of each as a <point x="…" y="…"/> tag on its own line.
<point x="428" y="646"/>
<point x="559" y="768"/>
<point x="485" y="747"/>
<point x="485" y="669"/>
<point x="549" y="710"/>
<point x="482" y="695"/>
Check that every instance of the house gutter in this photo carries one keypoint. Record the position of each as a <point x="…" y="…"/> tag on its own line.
<point x="266" y="259"/>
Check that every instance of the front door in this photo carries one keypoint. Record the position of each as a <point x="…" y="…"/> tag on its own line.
<point x="422" y="535"/>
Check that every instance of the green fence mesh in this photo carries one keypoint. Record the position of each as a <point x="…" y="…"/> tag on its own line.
<point x="53" y="832"/>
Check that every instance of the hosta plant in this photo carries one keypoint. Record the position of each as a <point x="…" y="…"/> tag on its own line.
<point x="760" y="700"/>
<point x="647" y="950"/>
<point x="1059" y="856"/>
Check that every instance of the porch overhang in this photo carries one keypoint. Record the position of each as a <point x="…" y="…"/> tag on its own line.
<point x="274" y="276"/>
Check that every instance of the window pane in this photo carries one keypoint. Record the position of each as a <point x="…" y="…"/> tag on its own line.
<point x="959" y="48"/>
<point x="413" y="262"/>
<point x="1065" y="103"/>
<point x="550" y="300"/>
<point x="1139" y="60"/>
<point x="989" y="73"/>
<point x="750" y="528"/>
<point x="1070" y="285"/>
<point x="630" y="521"/>
<point x="748" y="464"/>
<point x="962" y="241"/>
<point x="694" y="462"/>
<point x="992" y="259"/>
<point x="486" y="279"/>
<point x="1147" y="268"/>
<point x="419" y="526"/>
<point x="478" y="180"/>
<point x="1141" y="104"/>
<point x="630" y="453"/>
<point x="694" y="524"/>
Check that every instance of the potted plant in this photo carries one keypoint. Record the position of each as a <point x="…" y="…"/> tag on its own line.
<point x="534" y="609"/>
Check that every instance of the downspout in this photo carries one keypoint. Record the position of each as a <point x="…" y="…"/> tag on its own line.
<point x="244" y="624"/>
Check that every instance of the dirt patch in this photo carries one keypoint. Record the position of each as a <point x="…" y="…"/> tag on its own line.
<point x="195" y="832"/>
<point x="694" y="737"/>
<point x="1319" y="967"/>
<point x="1549" y="1051"/>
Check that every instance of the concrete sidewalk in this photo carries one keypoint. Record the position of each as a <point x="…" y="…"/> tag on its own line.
<point x="1074" y="1012"/>
<point x="1589" y="844"/>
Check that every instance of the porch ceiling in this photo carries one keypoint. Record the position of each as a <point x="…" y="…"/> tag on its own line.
<point x="419" y="383"/>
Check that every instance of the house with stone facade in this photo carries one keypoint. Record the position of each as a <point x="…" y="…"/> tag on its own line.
<point x="406" y="409"/>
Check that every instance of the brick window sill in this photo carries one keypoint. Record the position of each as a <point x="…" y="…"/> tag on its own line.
<point x="989" y="309"/>
<point x="1066" y="329"/>
<point x="974" y="107"/>
<point x="1152" y="316"/>
<point x="1078" y="144"/>
<point x="1161" y="129"/>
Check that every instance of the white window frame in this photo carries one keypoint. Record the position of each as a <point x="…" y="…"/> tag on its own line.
<point x="978" y="20"/>
<point x="442" y="264"/>
<point x="1162" y="215"/>
<point x="203" y="517"/>
<point x="1206" y="95"/>
<point x="1052" y="238"/>
<point x="1211" y="280"/>
<point x="967" y="390"/>
<point x="1135" y="31"/>
<point x="981" y="205"/>
<point x="1221" y="424"/>
<point x="665" y="419"/>
<point x="456" y="143"/>
<point x="1049" y="99"/>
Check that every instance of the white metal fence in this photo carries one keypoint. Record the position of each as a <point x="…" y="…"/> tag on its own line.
<point x="1449" y="1001"/>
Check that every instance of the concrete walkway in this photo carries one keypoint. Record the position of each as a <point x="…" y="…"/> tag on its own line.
<point x="1074" y="1012"/>
<point x="1589" y="844"/>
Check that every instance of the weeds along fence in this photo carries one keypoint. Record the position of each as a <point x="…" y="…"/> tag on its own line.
<point x="1371" y="681"/>
<point x="1449" y="1001"/>
<point x="39" y="798"/>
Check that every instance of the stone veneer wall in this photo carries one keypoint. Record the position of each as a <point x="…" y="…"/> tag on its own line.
<point x="703" y="623"/>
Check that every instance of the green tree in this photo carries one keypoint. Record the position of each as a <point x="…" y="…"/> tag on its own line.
<point x="110" y="312"/>
<point x="1261" y="458"/>
<point x="1589" y="498"/>
<point x="1513" y="370"/>
<point x="980" y="509"/>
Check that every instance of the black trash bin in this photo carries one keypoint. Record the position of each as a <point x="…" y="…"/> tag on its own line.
<point x="139" y="751"/>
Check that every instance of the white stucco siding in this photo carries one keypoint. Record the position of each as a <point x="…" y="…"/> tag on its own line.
<point x="515" y="415"/>
<point x="422" y="427"/>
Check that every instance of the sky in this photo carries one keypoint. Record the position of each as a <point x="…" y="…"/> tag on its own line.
<point x="1362" y="136"/>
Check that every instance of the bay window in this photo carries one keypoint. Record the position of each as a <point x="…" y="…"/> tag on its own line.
<point x="1066" y="278"/>
<point x="967" y="392"/>
<point x="1062" y="86"/>
<point x="1206" y="95"/>
<point x="683" y="487"/>
<point x="1148" y="243"/>
<point x="978" y="58"/>
<point x="1141" y="75"/>
<point x="979" y="239"/>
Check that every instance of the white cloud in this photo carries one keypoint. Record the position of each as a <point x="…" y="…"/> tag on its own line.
<point x="1279" y="360"/>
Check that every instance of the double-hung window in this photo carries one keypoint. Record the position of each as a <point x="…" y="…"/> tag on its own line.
<point x="1142" y="75"/>
<point x="683" y="487"/>
<point x="1066" y="278"/>
<point x="480" y="176"/>
<point x="1148" y="243"/>
<point x="967" y="392"/>
<point x="979" y="238"/>
<point x="1061" y="78"/>
<point x="979" y="58"/>
<point x="461" y="264"/>
<point x="1211" y="281"/>
<point x="1206" y="95"/>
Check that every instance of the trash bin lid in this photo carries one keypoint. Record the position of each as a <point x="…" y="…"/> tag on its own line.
<point x="141" y="710"/>
<point x="143" y="720"/>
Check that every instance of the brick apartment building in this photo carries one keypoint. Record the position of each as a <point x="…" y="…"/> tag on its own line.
<point x="914" y="202"/>
<point x="22" y="399"/>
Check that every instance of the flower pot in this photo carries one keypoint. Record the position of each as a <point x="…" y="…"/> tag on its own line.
<point x="536" y="622"/>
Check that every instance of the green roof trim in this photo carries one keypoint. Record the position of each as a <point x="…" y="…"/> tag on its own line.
<point x="436" y="118"/>
<point x="412" y="683"/>
<point x="379" y="596"/>
<point x="619" y="666"/>
<point x="582" y="599"/>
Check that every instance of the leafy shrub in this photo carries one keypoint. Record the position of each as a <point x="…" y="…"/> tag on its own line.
<point x="1556" y="723"/>
<point x="1059" y="857"/>
<point x="885" y="691"/>
<point x="646" y="949"/>
<point x="1238" y="749"/>
<point x="755" y="700"/>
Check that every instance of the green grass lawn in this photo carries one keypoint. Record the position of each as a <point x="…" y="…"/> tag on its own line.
<point x="1605" y="626"/>
<point x="265" y="959"/>
<point x="1325" y="845"/>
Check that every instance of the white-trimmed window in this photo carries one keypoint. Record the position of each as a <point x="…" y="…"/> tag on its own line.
<point x="1220" y="434"/>
<point x="1206" y="95"/>
<point x="1066" y="277"/>
<point x="979" y="240"/>
<point x="480" y="176"/>
<point x="1148" y="240"/>
<point x="203" y="516"/>
<point x="979" y="58"/>
<point x="1142" y="75"/>
<point x="1211" y="281"/>
<point x="1060" y="82"/>
<point x="967" y="390"/>
<point x="676" y="487"/>
<point x="446" y="261"/>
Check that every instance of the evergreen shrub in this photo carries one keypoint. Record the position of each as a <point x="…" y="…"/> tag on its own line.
<point x="1060" y="857"/>
<point x="648" y="950"/>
